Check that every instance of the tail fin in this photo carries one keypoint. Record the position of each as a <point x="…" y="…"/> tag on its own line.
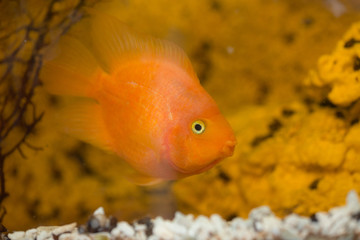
<point x="71" y="71"/>
<point x="83" y="120"/>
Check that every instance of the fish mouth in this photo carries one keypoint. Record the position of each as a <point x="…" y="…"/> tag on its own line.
<point x="228" y="148"/>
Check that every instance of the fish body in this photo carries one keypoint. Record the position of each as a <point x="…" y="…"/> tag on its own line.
<point x="145" y="102"/>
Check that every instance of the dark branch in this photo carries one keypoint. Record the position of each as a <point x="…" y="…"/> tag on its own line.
<point x="18" y="88"/>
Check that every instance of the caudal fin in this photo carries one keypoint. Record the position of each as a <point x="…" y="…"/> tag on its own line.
<point x="70" y="70"/>
<point x="83" y="120"/>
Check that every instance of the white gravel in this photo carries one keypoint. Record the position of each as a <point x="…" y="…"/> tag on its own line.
<point x="339" y="223"/>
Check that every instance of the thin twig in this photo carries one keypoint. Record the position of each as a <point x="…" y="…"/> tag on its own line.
<point x="32" y="146"/>
<point x="29" y="129"/>
<point x="18" y="90"/>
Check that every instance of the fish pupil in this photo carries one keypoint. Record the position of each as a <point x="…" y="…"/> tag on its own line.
<point x="198" y="127"/>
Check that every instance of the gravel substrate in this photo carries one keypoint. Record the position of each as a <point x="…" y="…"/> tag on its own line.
<point x="339" y="223"/>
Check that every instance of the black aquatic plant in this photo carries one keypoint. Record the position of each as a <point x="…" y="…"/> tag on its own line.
<point x="27" y="29"/>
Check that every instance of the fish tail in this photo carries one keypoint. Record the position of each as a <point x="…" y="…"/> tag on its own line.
<point x="70" y="69"/>
<point x="83" y="120"/>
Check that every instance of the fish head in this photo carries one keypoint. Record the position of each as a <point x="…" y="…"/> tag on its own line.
<point x="201" y="138"/>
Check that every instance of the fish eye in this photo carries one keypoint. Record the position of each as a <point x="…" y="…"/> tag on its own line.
<point x="198" y="127"/>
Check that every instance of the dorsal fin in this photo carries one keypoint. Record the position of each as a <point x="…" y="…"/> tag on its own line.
<point x="112" y="42"/>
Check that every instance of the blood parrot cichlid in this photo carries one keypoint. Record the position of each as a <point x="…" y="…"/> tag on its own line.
<point x="140" y="99"/>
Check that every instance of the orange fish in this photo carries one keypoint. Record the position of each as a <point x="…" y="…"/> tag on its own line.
<point x="141" y="99"/>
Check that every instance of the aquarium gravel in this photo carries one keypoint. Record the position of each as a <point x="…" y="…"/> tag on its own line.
<point x="339" y="223"/>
